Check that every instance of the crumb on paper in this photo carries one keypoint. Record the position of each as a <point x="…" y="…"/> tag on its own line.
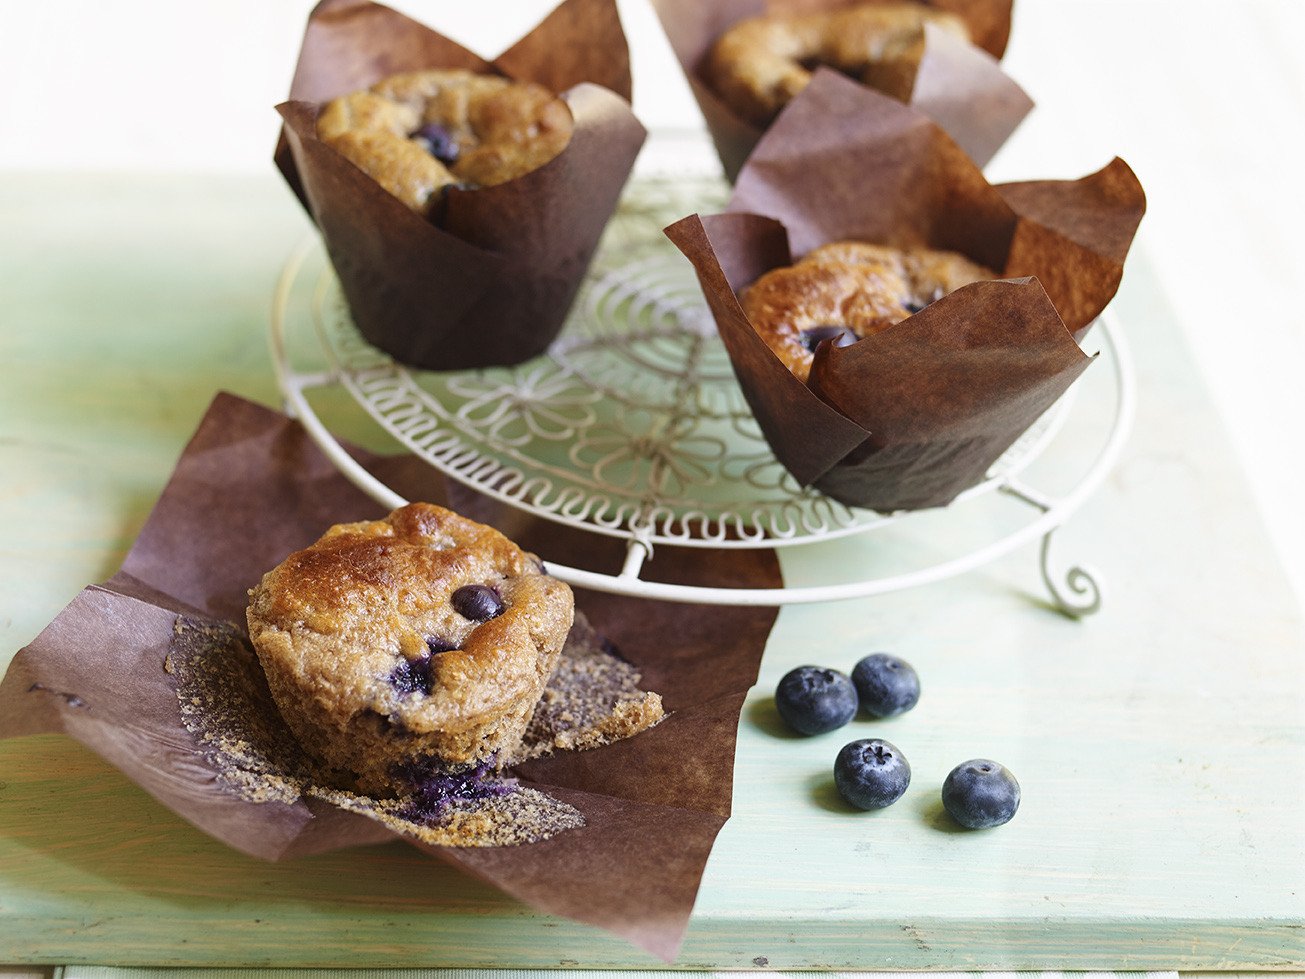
<point x="225" y="703"/>
<point x="593" y="699"/>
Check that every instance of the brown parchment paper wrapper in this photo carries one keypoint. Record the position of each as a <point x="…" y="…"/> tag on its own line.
<point x="492" y="281"/>
<point x="249" y="489"/>
<point x="912" y="416"/>
<point x="959" y="85"/>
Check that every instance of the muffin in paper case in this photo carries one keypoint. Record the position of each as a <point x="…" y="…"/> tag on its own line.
<point x="959" y="85"/>
<point x="491" y="279"/>
<point x="250" y="488"/>
<point x="910" y="417"/>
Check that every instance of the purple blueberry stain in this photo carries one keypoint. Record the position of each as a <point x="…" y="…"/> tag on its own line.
<point x="841" y="336"/>
<point x="435" y="788"/>
<point x="440" y="143"/>
<point x="412" y="676"/>
<point x="479" y="603"/>
<point x="416" y="675"/>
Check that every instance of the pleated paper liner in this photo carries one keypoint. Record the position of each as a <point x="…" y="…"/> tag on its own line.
<point x="911" y="417"/>
<point x="249" y="489"/>
<point x="959" y="85"/>
<point x="491" y="280"/>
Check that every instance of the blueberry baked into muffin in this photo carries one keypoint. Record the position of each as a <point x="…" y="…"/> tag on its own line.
<point x="761" y="63"/>
<point x="419" y="132"/>
<point x="848" y="290"/>
<point x="399" y="647"/>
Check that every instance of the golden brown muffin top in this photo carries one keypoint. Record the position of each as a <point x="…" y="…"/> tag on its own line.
<point x="761" y="63"/>
<point x="418" y="132"/>
<point x="847" y="290"/>
<point x="368" y="618"/>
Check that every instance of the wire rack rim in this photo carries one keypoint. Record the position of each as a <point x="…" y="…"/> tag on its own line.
<point x="370" y="378"/>
<point x="1053" y="515"/>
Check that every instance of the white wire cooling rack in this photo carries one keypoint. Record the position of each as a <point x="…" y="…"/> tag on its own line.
<point x="633" y="426"/>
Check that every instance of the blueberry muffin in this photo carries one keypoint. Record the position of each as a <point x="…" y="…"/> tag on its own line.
<point x="419" y="132"/>
<point x="415" y="644"/>
<point x="848" y="290"/>
<point x="761" y="63"/>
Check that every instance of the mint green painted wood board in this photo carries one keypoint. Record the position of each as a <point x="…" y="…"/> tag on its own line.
<point x="1161" y="745"/>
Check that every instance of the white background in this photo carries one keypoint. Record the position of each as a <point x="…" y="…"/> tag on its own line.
<point x="1206" y="100"/>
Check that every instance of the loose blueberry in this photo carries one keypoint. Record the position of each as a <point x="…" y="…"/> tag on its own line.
<point x="871" y="774"/>
<point x="477" y="602"/>
<point x="412" y="676"/>
<point x="814" y="700"/>
<point x="441" y="143"/>
<point x="886" y="686"/>
<point x="980" y="794"/>
<point x="842" y="336"/>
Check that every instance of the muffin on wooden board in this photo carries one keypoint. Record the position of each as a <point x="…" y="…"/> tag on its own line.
<point x="418" y="641"/>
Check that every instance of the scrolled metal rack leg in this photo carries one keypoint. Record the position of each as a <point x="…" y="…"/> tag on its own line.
<point x="1080" y="592"/>
<point x="1084" y="590"/>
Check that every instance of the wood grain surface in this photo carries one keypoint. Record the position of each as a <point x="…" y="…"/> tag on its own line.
<point x="1160" y="744"/>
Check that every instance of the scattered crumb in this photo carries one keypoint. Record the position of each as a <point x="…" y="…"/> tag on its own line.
<point x="521" y="816"/>
<point x="592" y="700"/>
<point x="225" y="703"/>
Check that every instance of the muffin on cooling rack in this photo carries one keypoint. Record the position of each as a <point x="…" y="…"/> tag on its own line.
<point x="746" y="60"/>
<point x="760" y="63"/>
<point x="415" y="643"/>
<point x="948" y="337"/>
<point x="460" y="199"/>
<point x="848" y="290"/>
<point x="420" y="132"/>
